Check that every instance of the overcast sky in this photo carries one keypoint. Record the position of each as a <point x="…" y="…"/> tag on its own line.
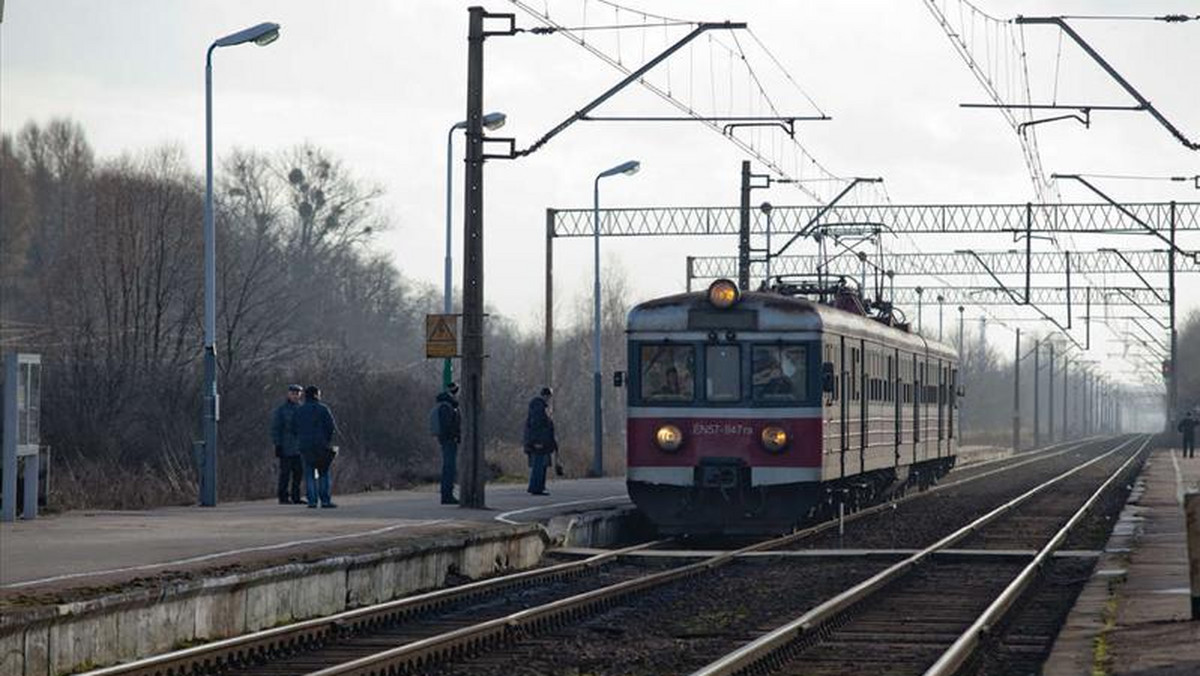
<point x="379" y="84"/>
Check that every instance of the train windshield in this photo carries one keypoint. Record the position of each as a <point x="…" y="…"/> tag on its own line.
<point x="723" y="373"/>
<point x="780" y="373"/>
<point x="668" y="372"/>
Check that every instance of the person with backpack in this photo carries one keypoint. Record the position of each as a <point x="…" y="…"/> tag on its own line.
<point x="540" y="443"/>
<point x="445" y="423"/>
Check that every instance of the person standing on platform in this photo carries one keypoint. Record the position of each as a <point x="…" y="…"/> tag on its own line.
<point x="447" y="424"/>
<point x="1188" y="427"/>
<point x="287" y="447"/>
<point x="539" y="440"/>
<point x="315" y="428"/>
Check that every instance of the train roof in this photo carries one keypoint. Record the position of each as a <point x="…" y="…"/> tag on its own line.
<point x="776" y="312"/>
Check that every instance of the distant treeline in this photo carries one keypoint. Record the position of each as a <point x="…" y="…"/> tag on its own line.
<point x="101" y="272"/>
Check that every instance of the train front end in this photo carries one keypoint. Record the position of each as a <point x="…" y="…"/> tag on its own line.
<point x="724" y="411"/>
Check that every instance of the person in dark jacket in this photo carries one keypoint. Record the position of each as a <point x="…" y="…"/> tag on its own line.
<point x="1188" y="427"/>
<point x="539" y="440"/>
<point x="287" y="447"/>
<point x="449" y="433"/>
<point x="315" y="428"/>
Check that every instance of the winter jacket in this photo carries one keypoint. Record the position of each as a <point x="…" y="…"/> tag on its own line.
<point x="283" y="428"/>
<point x="539" y="428"/>
<point x="1188" y="427"/>
<point x="449" y="419"/>
<point x="315" y="428"/>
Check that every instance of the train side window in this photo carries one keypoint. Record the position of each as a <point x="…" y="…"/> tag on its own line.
<point x="668" y="372"/>
<point x="831" y="367"/>
<point x="723" y="373"/>
<point x="780" y="372"/>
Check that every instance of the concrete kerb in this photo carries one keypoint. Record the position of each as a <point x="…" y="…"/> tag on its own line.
<point x="66" y="637"/>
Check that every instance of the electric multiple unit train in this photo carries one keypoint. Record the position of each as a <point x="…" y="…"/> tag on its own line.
<point x="750" y="413"/>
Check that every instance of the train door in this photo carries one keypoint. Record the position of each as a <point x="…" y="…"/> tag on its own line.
<point x="952" y="409"/>
<point x="843" y="407"/>
<point x="864" y="399"/>
<point x="916" y="401"/>
<point x="941" y="400"/>
<point x="891" y="395"/>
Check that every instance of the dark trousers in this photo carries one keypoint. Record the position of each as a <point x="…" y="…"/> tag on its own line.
<point x="449" y="468"/>
<point x="537" y="471"/>
<point x="290" y="473"/>
<point x="1189" y="446"/>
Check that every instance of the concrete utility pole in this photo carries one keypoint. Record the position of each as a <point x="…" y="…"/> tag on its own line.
<point x="1050" y="398"/>
<point x="1066" y="427"/>
<point x="1087" y="403"/>
<point x="1173" y="382"/>
<point x="961" y="353"/>
<point x="1037" y="394"/>
<point x="1016" y="428"/>
<point x="744" y="230"/>
<point x="472" y="480"/>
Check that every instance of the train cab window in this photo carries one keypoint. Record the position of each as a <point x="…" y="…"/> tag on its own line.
<point x="723" y="373"/>
<point x="780" y="372"/>
<point x="668" y="373"/>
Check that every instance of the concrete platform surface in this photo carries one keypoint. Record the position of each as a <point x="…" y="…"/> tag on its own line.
<point x="1133" y="616"/>
<point x="100" y="548"/>
<point x="106" y="547"/>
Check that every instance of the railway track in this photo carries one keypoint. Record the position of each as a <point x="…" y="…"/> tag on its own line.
<point x="423" y="634"/>
<point x="940" y="638"/>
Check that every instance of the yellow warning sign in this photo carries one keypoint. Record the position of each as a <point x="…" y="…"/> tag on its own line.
<point x="441" y="336"/>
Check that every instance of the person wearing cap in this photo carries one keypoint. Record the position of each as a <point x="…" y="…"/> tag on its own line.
<point x="287" y="447"/>
<point x="449" y="433"/>
<point x="315" y="428"/>
<point x="540" y="443"/>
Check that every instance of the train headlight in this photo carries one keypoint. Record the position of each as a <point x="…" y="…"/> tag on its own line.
<point x="774" y="439"/>
<point x="669" y="438"/>
<point x="722" y="293"/>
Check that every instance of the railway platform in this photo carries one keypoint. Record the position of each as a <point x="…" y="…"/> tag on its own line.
<point x="1133" y="616"/>
<point x="106" y="547"/>
<point x="94" y="588"/>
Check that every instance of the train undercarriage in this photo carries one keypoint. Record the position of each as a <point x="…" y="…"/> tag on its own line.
<point x="722" y="500"/>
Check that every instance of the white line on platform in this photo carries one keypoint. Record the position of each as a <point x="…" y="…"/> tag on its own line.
<point x="217" y="555"/>
<point x="503" y="518"/>
<point x="1178" y="478"/>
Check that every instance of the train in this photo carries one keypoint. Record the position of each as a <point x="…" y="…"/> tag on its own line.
<point x="754" y="412"/>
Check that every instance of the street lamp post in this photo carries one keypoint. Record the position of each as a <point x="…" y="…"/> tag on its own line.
<point x="941" y="300"/>
<point x="491" y="121"/>
<point x="263" y="34"/>
<point x="627" y="168"/>
<point x="920" y="308"/>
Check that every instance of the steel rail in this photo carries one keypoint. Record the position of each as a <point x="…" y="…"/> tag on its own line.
<point x="318" y="630"/>
<point x="421" y="654"/>
<point x="763" y="648"/>
<point x="306" y="632"/>
<point x="1042" y="453"/>
<point x="966" y="644"/>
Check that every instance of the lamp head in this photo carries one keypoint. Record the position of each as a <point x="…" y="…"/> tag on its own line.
<point x="628" y="168"/>
<point x="263" y="34"/>
<point x="494" y="121"/>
